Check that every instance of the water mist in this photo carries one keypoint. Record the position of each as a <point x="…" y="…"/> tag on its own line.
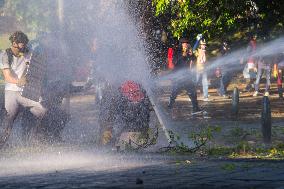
<point x="119" y="56"/>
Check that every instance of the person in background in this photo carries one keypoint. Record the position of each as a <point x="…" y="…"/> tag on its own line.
<point x="223" y="72"/>
<point x="201" y="73"/>
<point x="96" y="77"/>
<point x="263" y="65"/>
<point x="278" y="72"/>
<point x="250" y="69"/>
<point x="183" y="60"/>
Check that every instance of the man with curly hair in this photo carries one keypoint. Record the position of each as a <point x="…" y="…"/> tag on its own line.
<point x="14" y="64"/>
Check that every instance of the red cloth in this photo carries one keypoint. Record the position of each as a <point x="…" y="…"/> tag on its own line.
<point x="132" y="91"/>
<point x="279" y="79"/>
<point x="251" y="59"/>
<point x="253" y="45"/>
<point x="170" y="58"/>
<point x="218" y="72"/>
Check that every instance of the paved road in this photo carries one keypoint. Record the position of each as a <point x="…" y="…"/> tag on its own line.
<point x="219" y="108"/>
<point x="73" y="168"/>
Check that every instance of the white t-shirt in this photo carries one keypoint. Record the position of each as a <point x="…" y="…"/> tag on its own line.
<point x="18" y="67"/>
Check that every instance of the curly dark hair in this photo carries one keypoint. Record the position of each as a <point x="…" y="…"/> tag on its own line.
<point x="19" y="37"/>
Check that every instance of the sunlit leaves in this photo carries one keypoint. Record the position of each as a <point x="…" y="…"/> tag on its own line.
<point x="202" y="16"/>
<point x="161" y="6"/>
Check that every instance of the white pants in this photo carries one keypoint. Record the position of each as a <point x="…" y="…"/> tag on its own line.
<point x="13" y="100"/>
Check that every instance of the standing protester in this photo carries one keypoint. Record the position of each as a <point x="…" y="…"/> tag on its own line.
<point x="278" y="72"/>
<point x="61" y="59"/>
<point x="96" y="76"/>
<point x="250" y="68"/>
<point x="263" y="65"/>
<point x="200" y="68"/>
<point x="223" y="73"/>
<point x="14" y="64"/>
<point x="183" y="60"/>
<point x="57" y="84"/>
<point x="96" y="73"/>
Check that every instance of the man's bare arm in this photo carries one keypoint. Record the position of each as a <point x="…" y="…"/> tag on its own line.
<point x="8" y="77"/>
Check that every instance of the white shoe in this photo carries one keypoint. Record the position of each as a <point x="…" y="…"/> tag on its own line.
<point x="206" y="100"/>
<point x="266" y="94"/>
<point x="255" y="93"/>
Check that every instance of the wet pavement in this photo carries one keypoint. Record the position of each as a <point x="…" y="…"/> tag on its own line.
<point x="73" y="167"/>
<point x="108" y="170"/>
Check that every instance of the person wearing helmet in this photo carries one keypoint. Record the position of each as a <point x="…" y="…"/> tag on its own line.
<point x="14" y="64"/>
<point x="123" y="109"/>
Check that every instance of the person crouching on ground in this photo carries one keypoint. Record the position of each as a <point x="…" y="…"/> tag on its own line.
<point x="14" y="64"/>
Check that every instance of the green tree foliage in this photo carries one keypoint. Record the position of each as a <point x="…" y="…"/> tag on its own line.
<point x="218" y="17"/>
<point x="271" y="16"/>
<point x="33" y="14"/>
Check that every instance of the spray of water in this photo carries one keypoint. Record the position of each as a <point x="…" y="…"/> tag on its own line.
<point x="61" y="159"/>
<point x="119" y="56"/>
<point x="233" y="59"/>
